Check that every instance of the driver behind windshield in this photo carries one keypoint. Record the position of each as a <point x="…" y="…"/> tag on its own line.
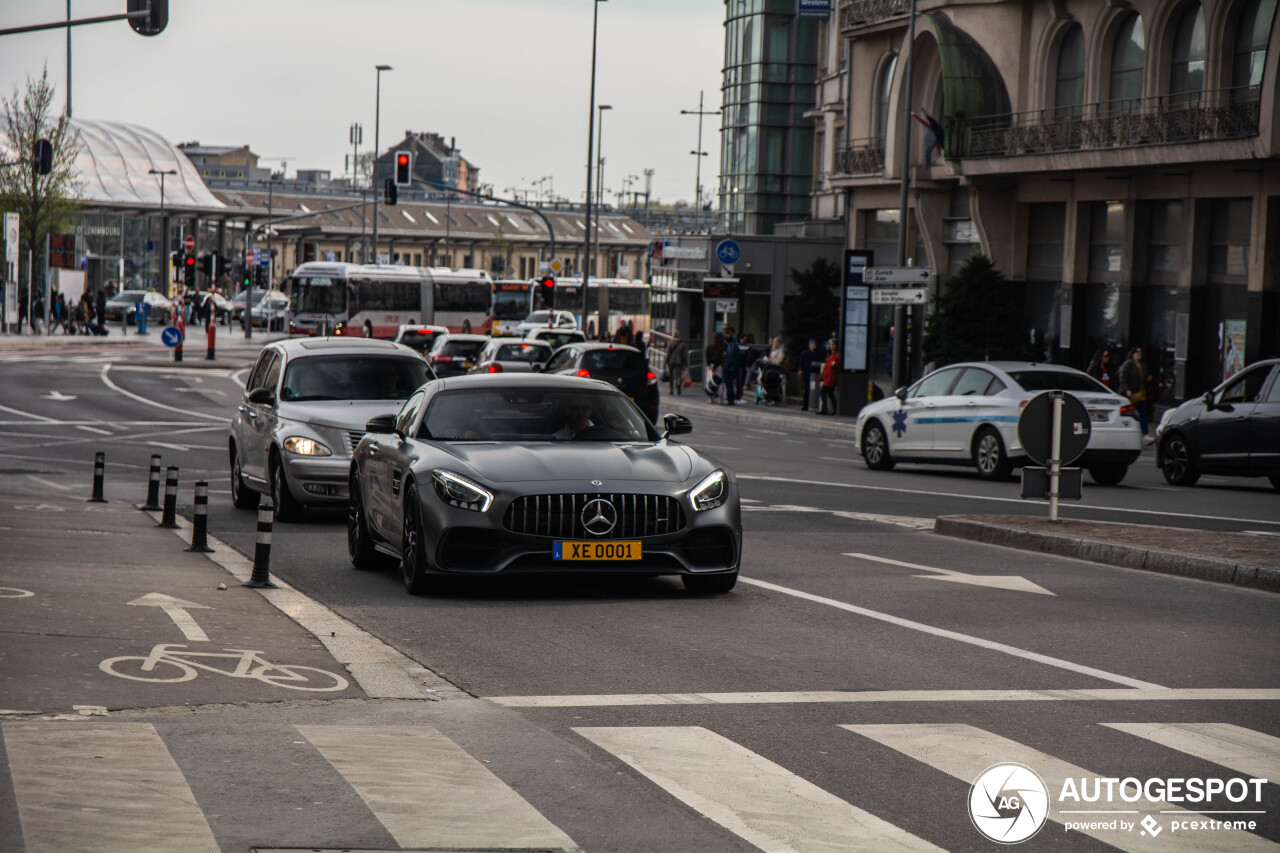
<point x="577" y="418"/>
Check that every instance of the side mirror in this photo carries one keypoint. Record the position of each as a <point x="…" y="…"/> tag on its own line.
<point x="381" y="423"/>
<point x="1208" y="400"/>
<point x="676" y="425"/>
<point x="262" y="397"/>
<point x="535" y="367"/>
<point x="901" y="394"/>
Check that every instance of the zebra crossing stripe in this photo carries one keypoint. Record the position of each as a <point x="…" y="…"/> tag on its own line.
<point x="429" y="793"/>
<point x="964" y="751"/>
<point x="752" y="797"/>
<point x="106" y="788"/>
<point x="1241" y="749"/>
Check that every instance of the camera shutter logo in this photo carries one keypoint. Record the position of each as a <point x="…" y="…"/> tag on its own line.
<point x="1008" y="803"/>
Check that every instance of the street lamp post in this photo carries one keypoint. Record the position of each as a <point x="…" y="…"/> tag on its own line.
<point x="377" y="151"/>
<point x="699" y="112"/>
<point x="591" y="115"/>
<point x="164" y="232"/>
<point x="595" y="263"/>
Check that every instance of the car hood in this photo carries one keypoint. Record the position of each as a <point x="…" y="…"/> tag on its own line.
<point x="340" y="414"/>
<point x="580" y="460"/>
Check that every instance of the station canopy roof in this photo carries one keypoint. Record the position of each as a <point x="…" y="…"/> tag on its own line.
<point x="115" y="163"/>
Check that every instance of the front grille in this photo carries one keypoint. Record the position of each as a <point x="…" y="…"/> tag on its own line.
<point x="560" y="516"/>
<point x="354" y="439"/>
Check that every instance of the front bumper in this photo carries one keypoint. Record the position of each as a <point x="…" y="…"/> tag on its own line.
<point x="320" y="480"/>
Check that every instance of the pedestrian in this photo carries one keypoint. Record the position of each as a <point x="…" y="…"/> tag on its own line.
<point x="1133" y="384"/>
<point x="830" y="374"/>
<point x="810" y="364"/>
<point x="100" y="310"/>
<point x="59" y="312"/>
<point x="37" y="314"/>
<point x="642" y="345"/>
<point x="677" y="363"/>
<point x="1100" y="367"/>
<point x="23" y="308"/>
<point x="732" y="369"/>
<point x="713" y="358"/>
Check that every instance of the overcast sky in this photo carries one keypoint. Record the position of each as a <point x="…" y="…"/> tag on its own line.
<point x="509" y="79"/>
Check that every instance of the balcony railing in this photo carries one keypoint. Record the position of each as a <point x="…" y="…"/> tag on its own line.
<point x="863" y="12"/>
<point x="860" y="157"/>
<point x="1161" y="120"/>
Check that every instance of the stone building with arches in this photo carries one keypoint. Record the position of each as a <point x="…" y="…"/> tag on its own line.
<point x="1119" y="158"/>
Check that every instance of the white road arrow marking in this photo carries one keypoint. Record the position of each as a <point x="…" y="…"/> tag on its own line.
<point x="1010" y="582"/>
<point x="177" y="610"/>
<point x="59" y="396"/>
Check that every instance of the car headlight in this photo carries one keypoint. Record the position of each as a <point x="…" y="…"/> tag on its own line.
<point x="457" y="490"/>
<point x="306" y="446"/>
<point x="710" y="493"/>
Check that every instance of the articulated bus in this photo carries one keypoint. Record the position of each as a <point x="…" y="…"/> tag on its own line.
<point x="372" y="301"/>
<point x="626" y="301"/>
<point x="512" y="302"/>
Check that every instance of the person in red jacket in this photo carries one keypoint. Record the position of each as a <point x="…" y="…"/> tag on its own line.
<point x="829" y="376"/>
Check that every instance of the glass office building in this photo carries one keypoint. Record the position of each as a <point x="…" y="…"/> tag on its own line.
<point x="766" y="143"/>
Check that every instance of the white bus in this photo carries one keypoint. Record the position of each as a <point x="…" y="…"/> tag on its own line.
<point x="626" y="301"/>
<point x="373" y="301"/>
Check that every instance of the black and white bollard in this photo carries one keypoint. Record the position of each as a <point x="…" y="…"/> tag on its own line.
<point x="200" y="521"/>
<point x="153" y="486"/>
<point x="261" y="577"/>
<point x="170" y="517"/>
<point x="99" y="474"/>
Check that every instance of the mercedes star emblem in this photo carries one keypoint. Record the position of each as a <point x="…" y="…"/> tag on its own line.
<point x="599" y="517"/>
<point x="596" y="483"/>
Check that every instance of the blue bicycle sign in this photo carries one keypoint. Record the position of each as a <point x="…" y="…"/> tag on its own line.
<point x="728" y="251"/>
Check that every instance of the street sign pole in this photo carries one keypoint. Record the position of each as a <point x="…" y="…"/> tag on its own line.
<point x="1055" y="458"/>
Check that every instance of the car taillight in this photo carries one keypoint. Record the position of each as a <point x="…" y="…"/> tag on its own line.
<point x="583" y="372"/>
<point x="1128" y="412"/>
<point x="495" y="368"/>
<point x="441" y="359"/>
<point x="651" y="378"/>
<point x="1023" y="404"/>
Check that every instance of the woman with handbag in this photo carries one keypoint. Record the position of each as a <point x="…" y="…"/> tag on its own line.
<point x="677" y="363"/>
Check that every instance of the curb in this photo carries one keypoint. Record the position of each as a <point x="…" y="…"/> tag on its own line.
<point x="1110" y="553"/>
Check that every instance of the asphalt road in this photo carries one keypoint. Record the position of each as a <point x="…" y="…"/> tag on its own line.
<point x="858" y="651"/>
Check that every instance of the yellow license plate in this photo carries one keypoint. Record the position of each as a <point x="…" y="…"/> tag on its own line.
<point x="624" y="549"/>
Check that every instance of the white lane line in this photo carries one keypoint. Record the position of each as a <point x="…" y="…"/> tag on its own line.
<point x="49" y="483"/>
<point x="834" y="458"/>
<point x="94" y="429"/>
<point x="429" y="793"/>
<point x="964" y="751"/>
<point x="104" y="786"/>
<point x="955" y="635"/>
<point x="1241" y="749"/>
<point x="749" y="795"/>
<point x="106" y="380"/>
<point x="1126" y="510"/>
<point x="899" y="520"/>
<point x="838" y="697"/>
<point x="41" y="418"/>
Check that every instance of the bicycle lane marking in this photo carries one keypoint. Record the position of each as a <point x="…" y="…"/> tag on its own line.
<point x="159" y="665"/>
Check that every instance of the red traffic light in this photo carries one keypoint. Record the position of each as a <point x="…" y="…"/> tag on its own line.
<point x="190" y="260"/>
<point x="402" y="160"/>
<point x="403" y="177"/>
<point x="547" y="281"/>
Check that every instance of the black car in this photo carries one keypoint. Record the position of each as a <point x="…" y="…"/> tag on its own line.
<point x="453" y="355"/>
<point x="1233" y="430"/>
<point x="500" y="474"/>
<point x="622" y="366"/>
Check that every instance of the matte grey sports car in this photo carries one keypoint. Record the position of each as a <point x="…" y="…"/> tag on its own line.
<point x="495" y="474"/>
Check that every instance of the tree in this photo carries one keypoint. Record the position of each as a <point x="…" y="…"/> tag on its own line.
<point x="979" y="317"/>
<point x="814" y="310"/>
<point x="44" y="203"/>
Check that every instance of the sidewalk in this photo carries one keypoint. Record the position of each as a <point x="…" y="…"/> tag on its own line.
<point x="231" y="350"/>
<point x="1235" y="558"/>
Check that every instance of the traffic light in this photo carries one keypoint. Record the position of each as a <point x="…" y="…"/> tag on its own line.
<point x="391" y="192"/>
<point x="42" y="158"/>
<point x="402" y="169"/>
<point x="152" y="24"/>
<point x="189" y="270"/>
<point x="547" y="285"/>
<point x="205" y="264"/>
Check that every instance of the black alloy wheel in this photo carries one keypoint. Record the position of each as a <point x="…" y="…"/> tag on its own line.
<point x="875" y="448"/>
<point x="413" y="558"/>
<point x="717" y="584"/>
<point x="359" y="545"/>
<point x="989" y="456"/>
<point x="287" y="509"/>
<point x="1177" y="467"/>
<point x="1108" y="475"/>
<point x="242" y="497"/>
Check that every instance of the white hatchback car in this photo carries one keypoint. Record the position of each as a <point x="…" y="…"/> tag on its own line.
<point x="542" y="319"/>
<point x="968" y="413"/>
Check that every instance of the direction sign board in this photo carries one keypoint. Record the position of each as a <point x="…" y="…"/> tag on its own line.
<point x="898" y="275"/>
<point x="189" y="243"/>
<point x="264" y="258"/>
<point x="257" y="256"/>
<point x="898" y="296"/>
<point x="171" y="336"/>
<point x="728" y="251"/>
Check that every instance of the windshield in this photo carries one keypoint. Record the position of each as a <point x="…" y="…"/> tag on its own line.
<point x="1057" y="380"/>
<point x="461" y="347"/>
<point x="129" y="296"/>
<point x="419" y="340"/>
<point x="353" y="377"/>
<point x="510" y="305"/>
<point x="559" y="339"/>
<point x="523" y="352"/>
<point x="315" y="295"/>
<point x="539" y="318"/>
<point x="613" y="361"/>
<point x="517" y="413"/>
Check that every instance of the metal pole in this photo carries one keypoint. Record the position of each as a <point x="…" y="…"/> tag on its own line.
<point x="1055" y="454"/>
<point x="591" y="117"/>
<point x="377" y="149"/>
<point x="697" y="173"/>
<point x="68" y="58"/>
<point x="599" y="180"/>
<point x="900" y="372"/>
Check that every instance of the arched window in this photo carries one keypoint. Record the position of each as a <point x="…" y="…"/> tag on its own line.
<point x="1068" y="91"/>
<point x="1186" y="76"/>
<point x="1252" y="32"/>
<point x="1126" y="65"/>
<point x="882" y="106"/>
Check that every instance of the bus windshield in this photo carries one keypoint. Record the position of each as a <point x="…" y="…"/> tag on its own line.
<point x="315" y="295"/>
<point x="510" y="305"/>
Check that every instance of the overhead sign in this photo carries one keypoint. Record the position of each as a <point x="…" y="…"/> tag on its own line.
<point x="813" y="8"/>
<point x="189" y="243"/>
<point x="898" y="275"/>
<point x="898" y="296"/>
<point x="720" y="288"/>
<point x="728" y="251"/>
